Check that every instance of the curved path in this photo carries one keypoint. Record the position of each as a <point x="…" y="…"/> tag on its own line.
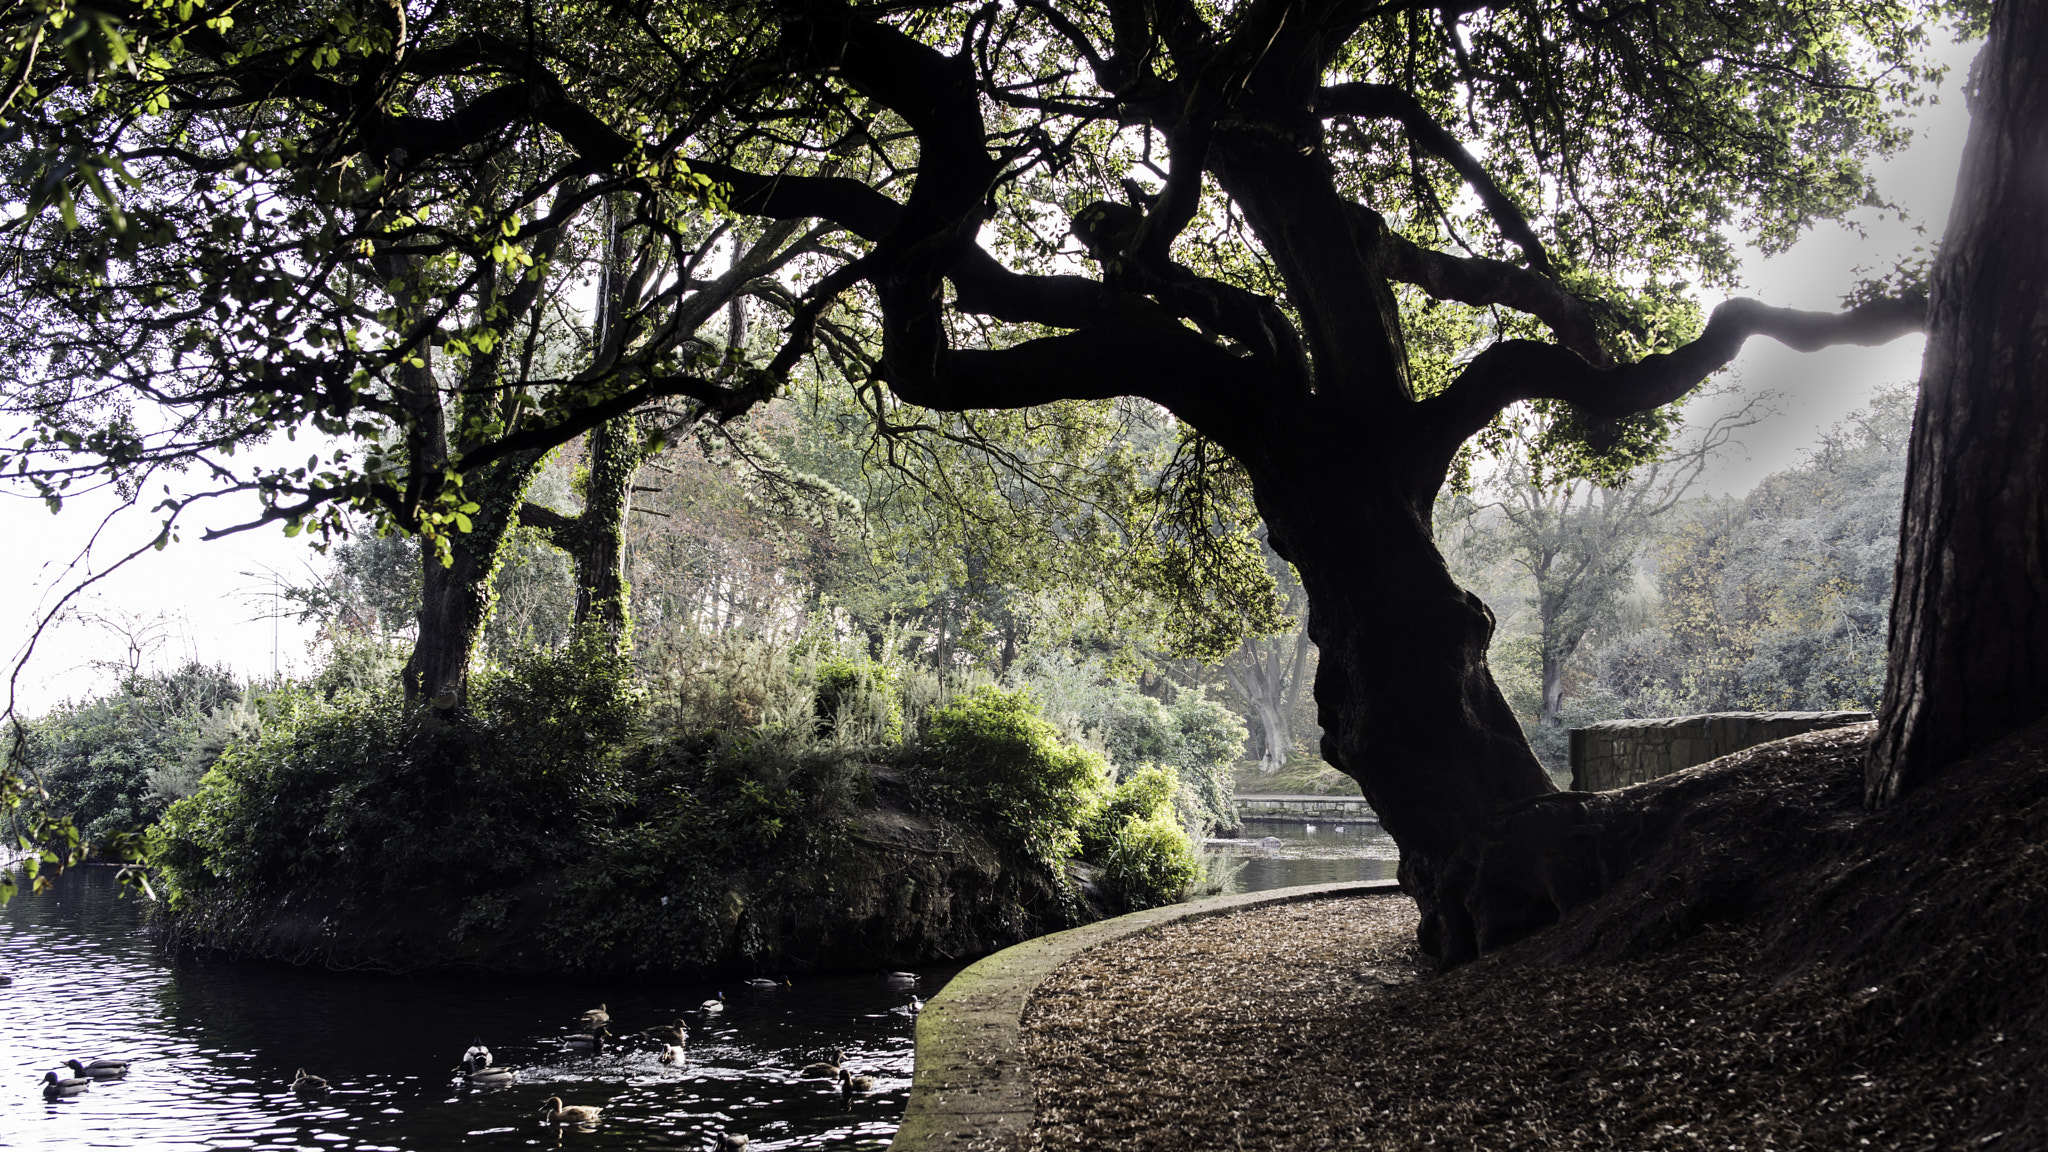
<point x="972" y="1087"/>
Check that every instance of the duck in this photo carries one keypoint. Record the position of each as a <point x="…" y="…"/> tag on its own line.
<point x="592" y="1042"/>
<point x="99" y="1069"/>
<point x="54" y="1088"/>
<point x="717" y="1005"/>
<point x="480" y="1071"/>
<point x="732" y="1142"/>
<point x="764" y="982"/>
<point x="676" y="1033"/>
<point x="852" y="1083"/>
<point x="555" y="1112"/>
<point x="594" y="1020"/>
<point x="671" y="1054"/>
<point x="902" y="977"/>
<point x="824" y="1070"/>
<point x="305" y="1085"/>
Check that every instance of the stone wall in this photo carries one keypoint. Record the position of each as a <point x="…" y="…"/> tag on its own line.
<point x="1618" y="753"/>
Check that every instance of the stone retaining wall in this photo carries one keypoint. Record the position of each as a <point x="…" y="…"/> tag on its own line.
<point x="1618" y="753"/>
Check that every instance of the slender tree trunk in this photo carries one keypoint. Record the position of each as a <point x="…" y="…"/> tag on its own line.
<point x="1969" y="632"/>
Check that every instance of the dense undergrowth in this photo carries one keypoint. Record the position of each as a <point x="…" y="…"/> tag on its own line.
<point x="763" y="808"/>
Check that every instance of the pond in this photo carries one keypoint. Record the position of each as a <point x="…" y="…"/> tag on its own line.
<point x="215" y="1047"/>
<point x="1324" y="852"/>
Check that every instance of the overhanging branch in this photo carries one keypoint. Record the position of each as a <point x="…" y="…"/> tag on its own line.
<point x="1529" y="370"/>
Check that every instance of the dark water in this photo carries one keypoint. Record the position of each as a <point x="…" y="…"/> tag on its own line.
<point x="216" y="1045"/>
<point x="1319" y="853"/>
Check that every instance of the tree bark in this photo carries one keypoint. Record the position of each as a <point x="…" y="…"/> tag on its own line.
<point x="1407" y="704"/>
<point x="1969" y="630"/>
<point x="1553" y="685"/>
<point x="456" y="598"/>
<point x="602" y="589"/>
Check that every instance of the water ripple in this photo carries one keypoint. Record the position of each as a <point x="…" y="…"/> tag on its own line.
<point x="215" y="1047"/>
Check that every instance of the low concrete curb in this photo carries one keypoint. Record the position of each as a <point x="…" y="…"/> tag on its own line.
<point x="972" y="1089"/>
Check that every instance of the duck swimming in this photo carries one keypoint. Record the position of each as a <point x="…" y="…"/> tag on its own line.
<point x="824" y="1071"/>
<point x="305" y="1085"/>
<point x="481" y="1073"/>
<point x="717" y="1005"/>
<point x="732" y="1142"/>
<point x="591" y="1042"/>
<point x="54" y="1088"/>
<point x="672" y="1054"/>
<point x="99" y="1069"/>
<point x="555" y="1112"/>
<point x="852" y="1083"/>
<point x="668" y="1034"/>
<point x="594" y="1020"/>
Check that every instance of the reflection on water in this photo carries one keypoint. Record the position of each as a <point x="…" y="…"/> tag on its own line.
<point x="1326" y="852"/>
<point x="216" y="1044"/>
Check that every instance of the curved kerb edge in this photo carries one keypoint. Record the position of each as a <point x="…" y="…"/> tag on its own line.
<point x="971" y="1088"/>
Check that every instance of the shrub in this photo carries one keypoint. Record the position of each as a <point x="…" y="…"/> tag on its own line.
<point x="1150" y="862"/>
<point x="361" y="799"/>
<point x="100" y="760"/>
<point x="990" y="754"/>
<point x="861" y="701"/>
<point x="1148" y="793"/>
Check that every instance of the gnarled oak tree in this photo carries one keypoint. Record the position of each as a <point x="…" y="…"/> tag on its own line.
<point x="1271" y="195"/>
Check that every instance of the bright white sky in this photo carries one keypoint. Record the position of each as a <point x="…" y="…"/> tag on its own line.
<point x="211" y="601"/>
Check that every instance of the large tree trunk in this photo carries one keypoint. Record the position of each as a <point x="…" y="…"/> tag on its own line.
<point x="1969" y="632"/>
<point x="456" y="598"/>
<point x="1408" y="706"/>
<point x="1553" y="688"/>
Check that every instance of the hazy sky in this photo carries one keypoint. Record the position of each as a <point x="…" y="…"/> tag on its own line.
<point x="211" y="599"/>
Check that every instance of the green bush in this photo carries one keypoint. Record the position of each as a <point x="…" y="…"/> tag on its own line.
<point x="360" y="799"/>
<point x="1150" y="862"/>
<point x="1148" y="793"/>
<point x="103" y="761"/>
<point x="861" y="700"/>
<point x="1136" y="837"/>
<point x="991" y="755"/>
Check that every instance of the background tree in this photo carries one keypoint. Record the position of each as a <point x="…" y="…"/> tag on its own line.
<point x="1967" y="631"/>
<point x="1777" y="600"/>
<point x="1269" y="674"/>
<point x="1573" y="538"/>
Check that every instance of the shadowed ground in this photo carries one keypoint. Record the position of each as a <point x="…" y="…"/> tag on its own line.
<point x="1783" y="969"/>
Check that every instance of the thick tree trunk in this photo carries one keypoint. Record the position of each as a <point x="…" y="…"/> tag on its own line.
<point x="1408" y="706"/>
<point x="456" y="599"/>
<point x="1553" y="689"/>
<point x="1279" y="741"/>
<point x="1969" y="632"/>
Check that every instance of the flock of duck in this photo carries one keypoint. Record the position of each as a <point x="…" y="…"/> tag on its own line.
<point x="590" y="1033"/>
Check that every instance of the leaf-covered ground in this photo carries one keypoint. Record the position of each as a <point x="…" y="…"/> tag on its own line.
<point x="1872" y="980"/>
